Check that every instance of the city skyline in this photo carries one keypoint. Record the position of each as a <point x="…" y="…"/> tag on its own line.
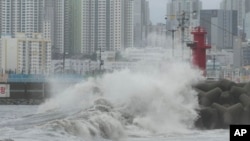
<point x="82" y="29"/>
<point x="158" y="9"/>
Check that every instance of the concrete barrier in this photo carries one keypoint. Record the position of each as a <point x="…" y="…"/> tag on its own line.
<point x="226" y="98"/>
<point x="223" y="103"/>
<point x="208" y="118"/>
<point x="207" y="86"/>
<point x="237" y="91"/>
<point x="226" y="85"/>
<point x="206" y="99"/>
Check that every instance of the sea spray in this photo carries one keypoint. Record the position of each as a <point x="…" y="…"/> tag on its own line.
<point x="158" y="100"/>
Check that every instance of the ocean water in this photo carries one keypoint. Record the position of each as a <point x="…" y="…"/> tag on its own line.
<point x="143" y="105"/>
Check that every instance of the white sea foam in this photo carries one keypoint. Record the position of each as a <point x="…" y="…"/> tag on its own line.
<point x="157" y="101"/>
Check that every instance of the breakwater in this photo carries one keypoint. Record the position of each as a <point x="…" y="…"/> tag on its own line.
<point x="223" y="103"/>
<point x="28" y="93"/>
<point x="24" y="93"/>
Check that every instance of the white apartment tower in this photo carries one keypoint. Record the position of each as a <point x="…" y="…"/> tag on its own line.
<point x="27" y="28"/>
<point x="27" y="55"/>
<point x="21" y="16"/>
<point x="34" y="54"/>
<point x="34" y="16"/>
<point x="106" y="24"/>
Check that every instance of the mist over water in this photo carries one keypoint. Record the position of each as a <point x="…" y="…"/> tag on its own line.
<point x="148" y="101"/>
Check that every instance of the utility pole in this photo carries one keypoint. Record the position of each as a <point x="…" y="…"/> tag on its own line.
<point x="101" y="61"/>
<point x="182" y="25"/>
<point x="214" y="69"/>
<point x="63" y="60"/>
<point x="173" y="31"/>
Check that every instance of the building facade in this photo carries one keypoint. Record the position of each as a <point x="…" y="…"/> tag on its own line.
<point x="21" y="16"/>
<point x="238" y="5"/>
<point x="247" y="4"/>
<point x="0" y="19"/>
<point x="127" y="24"/>
<point x="57" y="17"/>
<point x="105" y="24"/>
<point x="220" y="26"/>
<point x="175" y="9"/>
<point x="26" y="54"/>
<point x="247" y="26"/>
<point x="35" y="16"/>
<point x="141" y="22"/>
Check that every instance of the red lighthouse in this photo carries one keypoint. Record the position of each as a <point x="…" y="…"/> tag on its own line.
<point x="199" y="48"/>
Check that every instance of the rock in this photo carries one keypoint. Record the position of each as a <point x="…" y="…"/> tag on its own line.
<point x="245" y="100"/>
<point x="242" y="85"/>
<point x="226" y="85"/>
<point x="208" y="119"/>
<point x="223" y="103"/>
<point x="247" y="88"/>
<point x="237" y="91"/>
<point x="206" y="99"/>
<point x="207" y="86"/>
<point x="226" y="98"/>
<point x="230" y="115"/>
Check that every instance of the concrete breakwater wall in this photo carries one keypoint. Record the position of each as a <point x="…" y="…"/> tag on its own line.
<point x="223" y="103"/>
<point x="21" y="101"/>
<point x="28" y="93"/>
<point x="20" y="93"/>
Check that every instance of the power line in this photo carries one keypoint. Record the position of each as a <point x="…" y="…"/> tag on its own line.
<point x="219" y="27"/>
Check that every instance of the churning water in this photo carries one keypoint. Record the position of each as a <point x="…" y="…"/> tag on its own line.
<point x="143" y="105"/>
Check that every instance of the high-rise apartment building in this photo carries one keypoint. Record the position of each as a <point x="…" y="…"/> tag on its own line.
<point x="128" y="21"/>
<point x="247" y="4"/>
<point x="175" y="9"/>
<point x="21" y="16"/>
<point x="105" y="24"/>
<point x="221" y="27"/>
<point x="75" y="30"/>
<point x="59" y="25"/>
<point x="67" y="26"/>
<point x="238" y="5"/>
<point x="27" y="29"/>
<point x="55" y="16"/>
<point x="25" y="54"/>
<point x="35" y="16"/>
<point x="141" y="22"/>
<point x="0" y="18"/>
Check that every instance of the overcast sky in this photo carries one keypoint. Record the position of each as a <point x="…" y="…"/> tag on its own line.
<point x="158" y="8"/>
